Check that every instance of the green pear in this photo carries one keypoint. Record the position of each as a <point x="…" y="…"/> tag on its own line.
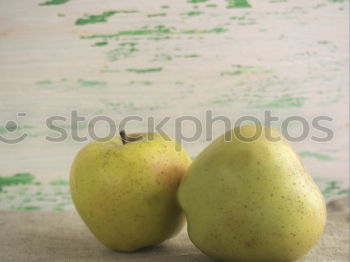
<point x="124" y="189"/>
<point x="248" y="198"/>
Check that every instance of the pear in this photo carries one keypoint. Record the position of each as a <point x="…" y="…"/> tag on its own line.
<point x="124" y="189"/>
<point x="247" y="197"/>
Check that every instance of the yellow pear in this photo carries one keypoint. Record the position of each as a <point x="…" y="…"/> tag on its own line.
<point x="248" y="198"/>
<point x="124" y="189"/>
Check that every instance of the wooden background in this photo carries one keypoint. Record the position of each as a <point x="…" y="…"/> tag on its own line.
<point x="165" y="58"/>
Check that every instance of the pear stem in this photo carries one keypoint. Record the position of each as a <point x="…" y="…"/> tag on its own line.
<point x="123" y="137"/>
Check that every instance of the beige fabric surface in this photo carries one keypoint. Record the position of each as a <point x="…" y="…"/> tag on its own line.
<point x="62" y="236"/>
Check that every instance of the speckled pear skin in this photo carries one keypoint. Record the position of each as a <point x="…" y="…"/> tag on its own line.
<point x="126" y="194"/>
<point x="251" y="200"/>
